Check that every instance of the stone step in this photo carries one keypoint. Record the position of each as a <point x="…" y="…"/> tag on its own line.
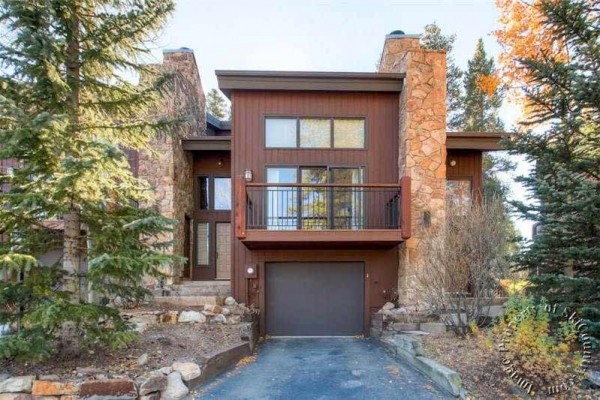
<point x="189" y="301"/>
<point x="202" y="288"/>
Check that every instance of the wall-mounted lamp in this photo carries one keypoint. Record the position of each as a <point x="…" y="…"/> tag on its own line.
<point x="220" y="162"/>
<point x="452" y="163"/>
<point x="248" y="175"/>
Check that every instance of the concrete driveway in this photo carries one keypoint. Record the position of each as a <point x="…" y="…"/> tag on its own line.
<point x="321" y="368"/>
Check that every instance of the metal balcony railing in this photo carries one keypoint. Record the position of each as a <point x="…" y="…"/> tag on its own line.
<point x="322" y="206"/>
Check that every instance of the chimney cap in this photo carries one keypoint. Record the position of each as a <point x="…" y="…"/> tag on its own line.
<point x="397" y="34"/>
<point x="179" y="50"/>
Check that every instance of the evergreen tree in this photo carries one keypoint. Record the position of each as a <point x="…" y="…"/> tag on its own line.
<point x="217" y="105"/>
<point x="433" y="39"/>
<point x="482" y="97"/>
<point x="68" y="113"/>
<point x="564" y="96"/>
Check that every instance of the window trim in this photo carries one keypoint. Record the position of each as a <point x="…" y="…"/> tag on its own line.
<point x="331" y="132"/>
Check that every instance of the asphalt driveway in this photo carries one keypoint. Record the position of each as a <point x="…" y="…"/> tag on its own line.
<point x="321" y="368"/>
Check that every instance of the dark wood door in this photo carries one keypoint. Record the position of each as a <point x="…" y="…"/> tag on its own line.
<point x="314" y="299"/>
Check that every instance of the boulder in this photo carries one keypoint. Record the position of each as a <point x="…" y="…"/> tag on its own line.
<point x="121" y="388"/>
<point x="176" y="389"/>
<point x="17" y="384"/>
<point x="165" y="370"/>
<point x="4" y="377"/>
<point x="150" y="396"/>
<point x="191" y="316"/>
<point x="169" y="317"/>
<point x="142" y="360"/>
<point x="225" y="311"/>
<point x="388" y="306"/>
<point x="230" y="301"/>
<point x="208" y="313"/>
<point x="234" y="319"/>
<point x="220" y="318"/>
<point x="16" y="396"/>
<point x="187" y="370"/>
<point x="213" y="308"/>
<point x="152" y="383"/>
<point x="53" y="388"/>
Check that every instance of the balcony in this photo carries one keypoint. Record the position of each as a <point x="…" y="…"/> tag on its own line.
<point x="288" y="215"/>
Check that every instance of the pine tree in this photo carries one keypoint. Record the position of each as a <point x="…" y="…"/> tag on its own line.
<point x="564" y="95"/>
<point x="433" y="39"/>
<point x="217" y="105"/>
<point x="69" y="112"/>
<point x="482" y="97"/>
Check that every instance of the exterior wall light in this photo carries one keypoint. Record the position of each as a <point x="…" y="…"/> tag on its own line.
<point x="251" y="271"/>
<point x="452" y="163"/>
<point x="248" y="175"/>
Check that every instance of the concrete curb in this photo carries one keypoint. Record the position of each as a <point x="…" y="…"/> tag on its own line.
<point x="408" y="348"/>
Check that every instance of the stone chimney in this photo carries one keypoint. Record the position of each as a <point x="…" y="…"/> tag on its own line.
<point x="170" y="175"/>
<point x="422" y="153"/>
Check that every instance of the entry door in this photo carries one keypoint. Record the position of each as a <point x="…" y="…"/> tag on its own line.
<point x="223" y="253"/>
<point x="314" y="299"/>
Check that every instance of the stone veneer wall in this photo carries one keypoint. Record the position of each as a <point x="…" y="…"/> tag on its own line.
<point x="422" y="153"/>
<point x="170" y="175"/>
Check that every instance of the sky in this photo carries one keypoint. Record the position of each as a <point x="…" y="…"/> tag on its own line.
<point x="336" y="35"/>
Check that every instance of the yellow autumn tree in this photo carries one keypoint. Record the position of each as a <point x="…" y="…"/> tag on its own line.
<point x="522" y="35"/>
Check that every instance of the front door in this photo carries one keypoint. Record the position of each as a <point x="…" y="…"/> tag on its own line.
<point x="223" y="253"/>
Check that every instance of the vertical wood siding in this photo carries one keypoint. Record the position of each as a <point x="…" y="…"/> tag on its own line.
<point x="379" y="159"/>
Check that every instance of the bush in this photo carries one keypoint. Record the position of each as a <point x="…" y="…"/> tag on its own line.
<point x="539" y="355"/>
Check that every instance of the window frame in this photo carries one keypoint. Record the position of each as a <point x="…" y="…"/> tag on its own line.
<point x="364" y="118"/>
<point x="211" y="192"/>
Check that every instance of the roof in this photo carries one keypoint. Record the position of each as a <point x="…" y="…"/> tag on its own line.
<point x="484" y="141"/>
<point x="216" y="123"/>
<point x="207" y="143"/>
<point x="304" y="80"/>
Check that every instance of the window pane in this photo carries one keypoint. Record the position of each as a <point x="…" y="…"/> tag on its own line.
<point x="280" y="132"/>
<point x="222" y="193"/>
<point x="349" y="133"/>
<point x="282" y="201"/>
<point x="202" y="240"/>
<point x="348" y="201"/>
<point x="204" y="194"/>
<point x="315" y="133"/>
<point x="458" y="193"/>
<point x="314" y="200"/>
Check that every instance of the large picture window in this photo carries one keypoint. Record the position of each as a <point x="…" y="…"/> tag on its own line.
<point x="214" y="193"/>
<point x="315" y="133"/>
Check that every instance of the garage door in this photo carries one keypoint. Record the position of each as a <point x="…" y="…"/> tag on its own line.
<point x="314" y="299"/>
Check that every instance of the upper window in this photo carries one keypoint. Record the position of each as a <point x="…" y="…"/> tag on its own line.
<point x="315" y="133"/>
<point x="214" y="193"/>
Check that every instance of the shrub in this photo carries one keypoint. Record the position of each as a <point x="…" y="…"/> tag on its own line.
<point x="539" y="355"/>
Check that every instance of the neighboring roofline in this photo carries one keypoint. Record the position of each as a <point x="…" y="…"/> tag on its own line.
<point x="305" y="80"/>
<point x="207" y="143"/>
<point x="484" y="141"/>
<point x="216" y="123"/>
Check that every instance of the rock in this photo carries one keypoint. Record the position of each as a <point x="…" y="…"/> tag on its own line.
<point x="230" y="301"/>
<point x="53" y="388"/>
<point x="142" y="360"/>
<point x="169" y="317"/>
<point x="166" y="370"/>
<point x="187" y="370"/>
<point x="213" y="308"/>
<point x="151" y="396"/>
<point x="16" y="396"/>
<point x="191" y="316"/>
<point x="152" y="383"/>
<point x="17" y="384"/>
<point x="593" y="377"/>
<point x="176" y="389"/>
<point x="208" y="313"/>
<point x="4" y="377"/>
<point x="220" y="318"/>
<point x="404" y="326"/>
<point x="400" y="311"/>
<point x="108" y="389"/>
<point x="388" y="306"/>
<point x="234" y="319"/>
<point x="225" y="311"/>
<point x="48" y="378"/>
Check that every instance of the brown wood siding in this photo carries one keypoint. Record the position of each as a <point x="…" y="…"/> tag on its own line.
<point x="469" y="165"/>
<point x="380" y="160"/>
